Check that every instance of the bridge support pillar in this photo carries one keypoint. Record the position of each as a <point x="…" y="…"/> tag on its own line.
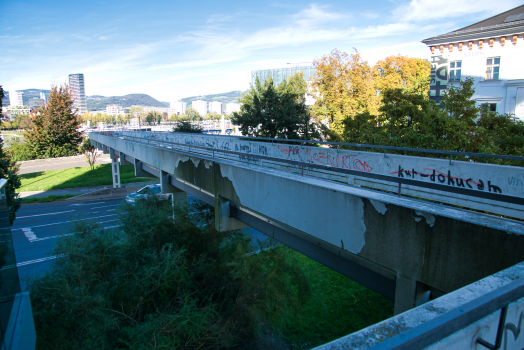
<point x="223" y="220"/>
<point x="123" y="160"/>
<point x="179" y="196"/>
<point x="105" y="149"/>
<point x="408" y="294"/>
<point x="115" y="169"/>
<point x="138" y="169"/>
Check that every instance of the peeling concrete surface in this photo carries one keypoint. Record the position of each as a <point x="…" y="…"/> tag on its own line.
<point x="430" y="218"/>
<point x="379" y="206"/>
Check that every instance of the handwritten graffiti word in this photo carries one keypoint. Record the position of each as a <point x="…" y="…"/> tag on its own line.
<point x="446" y="179"/>
<point x="259" y="149"/>
<point x="249" y="159"/>
<point x="192" y="142"/>
<point x="338" y="161"/>
<point x="293" y="150"/>
<point x="242" y="148"/>
<point x="517" y="181"/>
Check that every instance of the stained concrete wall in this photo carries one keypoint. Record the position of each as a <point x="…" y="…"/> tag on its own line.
<point x="426" y="245"/>
<point x="472" y="176"/>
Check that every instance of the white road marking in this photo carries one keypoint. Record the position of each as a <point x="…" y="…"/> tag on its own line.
<point x="79" y="204"/>
<point x="102" y="211"/>
<point x="70" y="234"/>
<point x="29" y="234"/>
<point x="32" y="216"/>
<point x="64" y="222"/>
<point x="31" y="262"/>
<point x="106" y="206"/>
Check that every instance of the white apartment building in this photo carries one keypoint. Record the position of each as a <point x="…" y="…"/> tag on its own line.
<point x="115" y="110"/>
<point x="200" y="106"/>
<point x="492" y="53"/>
<point x="76" y="83"/>
<point x="15" y="98"/>
<point x="179" y="107"/>
<point x="216" y="107"/>
<point x="232" y="107"/>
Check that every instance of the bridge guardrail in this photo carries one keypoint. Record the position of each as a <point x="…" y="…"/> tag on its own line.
<point x="353" y="164"/>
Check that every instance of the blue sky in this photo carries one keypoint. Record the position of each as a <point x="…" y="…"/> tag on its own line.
<point x="175" y="49"/>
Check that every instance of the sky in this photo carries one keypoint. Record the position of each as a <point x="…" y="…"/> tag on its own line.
<point x="175" y="49"/>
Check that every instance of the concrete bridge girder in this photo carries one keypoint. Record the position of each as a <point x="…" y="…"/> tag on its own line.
<point x="418" y="246"/>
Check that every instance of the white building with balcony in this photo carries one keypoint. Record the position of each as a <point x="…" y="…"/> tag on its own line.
<point x="232" y="107"/>
<point x="492" y="53"/>
<point x="200" y="106"/>
<point x="216" y="107"/>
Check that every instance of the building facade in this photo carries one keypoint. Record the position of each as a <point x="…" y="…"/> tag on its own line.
<point x="76" y="83"/>
<point x="492" y="53"/>
<point x="115" y="110"/>
<point x="15" y="98"/>
<point x="279" y="74"/>
<point x="179" y="107"/>
<point x="216" y="107"/>
<point x="200" y="106"/>
<point x="232" y="107"/>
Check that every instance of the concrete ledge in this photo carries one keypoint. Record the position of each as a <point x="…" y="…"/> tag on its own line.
<point x="20" y="332"/>
<point x="465" y="338"/>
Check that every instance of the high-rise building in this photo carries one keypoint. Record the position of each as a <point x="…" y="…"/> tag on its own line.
<point x="76" y="83"/>
<point x="200" y="106"/>
<point x="178" y="106"/>
<point x="15" y="98"/>
<point x="279" y="74"/>
<point x="43" y="96"/>
<point x="232" y="107"/>
<point x="216" y="107"/>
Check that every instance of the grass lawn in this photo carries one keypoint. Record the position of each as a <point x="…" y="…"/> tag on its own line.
<point x="337" y="306"/>
<point x="76" y="177"/>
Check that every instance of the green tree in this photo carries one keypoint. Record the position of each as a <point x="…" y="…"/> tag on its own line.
<point x="192" y="114"/>
<point x="89" y="152"/>
<point x="186" y="126"/>
<point x="8" y="170"/>
<point x="276" y="112"/>
<point x="55" y="126"/>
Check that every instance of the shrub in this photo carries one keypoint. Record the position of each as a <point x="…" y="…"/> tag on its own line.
<point x="159" y="283"/>
<point x="20" y="151"/>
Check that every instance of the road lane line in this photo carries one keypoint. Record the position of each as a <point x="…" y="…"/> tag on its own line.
<point x="80" y="204"/>
<point x="31" y="262"/>
<point x="32" y="216"/>
<point x="29" y="234"/>
<point x="70" y="234"/>
<point x="62" y="222"/>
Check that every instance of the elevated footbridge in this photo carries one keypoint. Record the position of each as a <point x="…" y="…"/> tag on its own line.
<point x="411" y="228"/>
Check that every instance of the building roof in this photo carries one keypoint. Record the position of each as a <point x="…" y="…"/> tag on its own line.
<point x="505" y="23"/>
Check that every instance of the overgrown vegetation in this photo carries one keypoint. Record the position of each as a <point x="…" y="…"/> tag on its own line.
<point x="186" y="126"/>
<point x="156" y="283"/>
<point x="76" y="177"/>
<point x="8" y="170"/>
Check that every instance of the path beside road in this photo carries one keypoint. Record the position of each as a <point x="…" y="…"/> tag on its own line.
<point x="33" y="166"/>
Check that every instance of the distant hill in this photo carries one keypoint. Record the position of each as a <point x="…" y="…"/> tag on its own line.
<point x="97" y="102"/>
<point x="226" y="97"/>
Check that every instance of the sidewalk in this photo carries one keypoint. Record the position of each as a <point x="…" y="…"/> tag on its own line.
<point x="80" y="190"/>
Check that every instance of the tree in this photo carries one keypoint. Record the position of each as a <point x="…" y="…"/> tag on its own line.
<point x="343" y="86"/>
<point x="8" y="170"/>
<point x="55" y="126"/>
<point x="402" y="72"/>
<point x="213" y="116"/>
<point x="89" y="151"/>
<point x="281" y="112"/>
<point x="186" y="126"/>
<point x="192" y="114"/>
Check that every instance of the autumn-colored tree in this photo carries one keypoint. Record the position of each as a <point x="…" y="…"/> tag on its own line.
<point x="55" y="126"/>
<point x="90" y="152"/>
<point x="402" y="72"/>
<point x="343" y="86"/>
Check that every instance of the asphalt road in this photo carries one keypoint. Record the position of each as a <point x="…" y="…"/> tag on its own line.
<point x="38" y="226"/>
<point x="58" y="163"/>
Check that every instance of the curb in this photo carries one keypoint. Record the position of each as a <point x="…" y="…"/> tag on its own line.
<point x="105" y="193"/>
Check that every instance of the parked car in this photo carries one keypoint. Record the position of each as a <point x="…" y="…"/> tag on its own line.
<point x="150" y="190"/>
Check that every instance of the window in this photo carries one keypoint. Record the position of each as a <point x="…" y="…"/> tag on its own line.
<point x="492" y="68"/>
<point x="487" y="107"/>
<point x="455" y="70"/>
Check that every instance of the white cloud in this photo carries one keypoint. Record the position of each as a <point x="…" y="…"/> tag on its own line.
<point x="424" y="10"/>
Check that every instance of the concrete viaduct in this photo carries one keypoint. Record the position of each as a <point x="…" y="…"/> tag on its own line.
<point x="380" y="219"/>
